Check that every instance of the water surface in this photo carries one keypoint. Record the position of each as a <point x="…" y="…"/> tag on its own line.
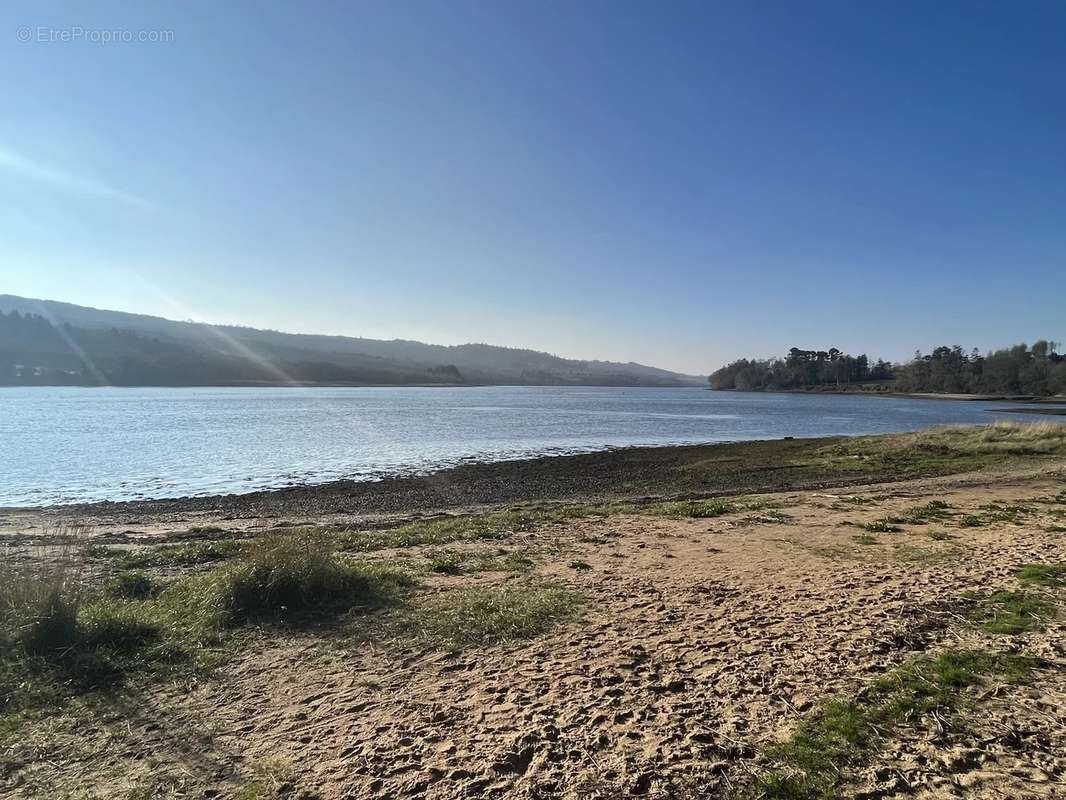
<point x="63" y="445"/>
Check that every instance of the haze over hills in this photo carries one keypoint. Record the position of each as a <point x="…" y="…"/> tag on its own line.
<point x="44" y="342"/>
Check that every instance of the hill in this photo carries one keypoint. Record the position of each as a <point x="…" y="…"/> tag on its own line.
<point x="44" y="342"/>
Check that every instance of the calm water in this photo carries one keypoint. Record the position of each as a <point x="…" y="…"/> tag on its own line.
<point x="62" y="445"/>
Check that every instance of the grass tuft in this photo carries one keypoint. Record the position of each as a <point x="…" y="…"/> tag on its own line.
<point x="447" y="563"/>
<point x="289" y="573"/>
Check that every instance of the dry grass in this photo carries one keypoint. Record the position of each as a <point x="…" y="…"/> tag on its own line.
<point x="41" y="591"/>
<point x="999" y="438"/>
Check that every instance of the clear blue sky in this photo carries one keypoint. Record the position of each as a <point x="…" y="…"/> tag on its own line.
<point x="673" y="183"/>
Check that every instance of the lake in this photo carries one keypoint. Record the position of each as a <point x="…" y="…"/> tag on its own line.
<point x="65" y="445"/>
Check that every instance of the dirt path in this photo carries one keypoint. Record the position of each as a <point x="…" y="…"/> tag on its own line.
<point x="701" y="640"/>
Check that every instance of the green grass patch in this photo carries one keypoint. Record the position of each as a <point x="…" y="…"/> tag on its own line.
<point x="996" y="513"/>
<point x="272" y="780"/>
<point x="493" y="526"/>
<point x="132" y="585"/>
<point x="1042" y="574"/>
<point x="923" y="514"/>
<point x="478" y="616"/>
<point x="452" y="562"/>
<point x="446" y="563"/>
<point x="62" y="636"/>
<point x="880" y="526"/>
<point x="294" y="575"/>
<point x="813" y="763"/>
<point x="1011" y="612"/>
<point x="171" y="555"/>
<point x="693" y="509"/>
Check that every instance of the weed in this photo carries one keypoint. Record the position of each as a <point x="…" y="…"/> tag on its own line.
<point x="865" y="538"/>
<point x="992" y="513"/>
<point x="272" y="781"/>
<point x="291" y="572"/>
<point x="580" y="566"/>
<point x="920" y="515"/>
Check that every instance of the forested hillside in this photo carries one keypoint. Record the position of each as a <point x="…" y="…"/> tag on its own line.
<point x="49" y="343"/>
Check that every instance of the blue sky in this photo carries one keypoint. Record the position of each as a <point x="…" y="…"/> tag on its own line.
<point x="673" y="183"/>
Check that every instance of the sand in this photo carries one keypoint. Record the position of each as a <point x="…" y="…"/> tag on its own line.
<point x="700" y="642"/>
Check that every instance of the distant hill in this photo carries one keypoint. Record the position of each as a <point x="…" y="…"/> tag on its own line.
<point x="44" y="342"/>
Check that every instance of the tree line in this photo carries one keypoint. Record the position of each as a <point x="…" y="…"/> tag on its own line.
<point x="1018" y="370"/>
<point x="800" y="369"/>
<point x="1021" y="369"/>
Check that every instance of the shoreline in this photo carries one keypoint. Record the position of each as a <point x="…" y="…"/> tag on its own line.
<point x="511" y="476"/>
<point x="631" y="474"/>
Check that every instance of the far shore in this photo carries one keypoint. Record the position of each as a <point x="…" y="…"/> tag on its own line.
<point x="989" y="398"/>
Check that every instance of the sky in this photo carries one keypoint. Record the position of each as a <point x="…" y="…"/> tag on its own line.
<point x="679" y="184"/>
